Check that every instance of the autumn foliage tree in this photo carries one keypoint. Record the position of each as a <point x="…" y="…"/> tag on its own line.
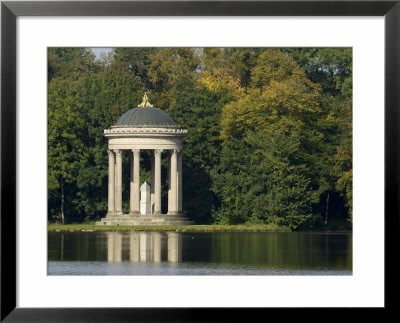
<point x="268" y="136"/>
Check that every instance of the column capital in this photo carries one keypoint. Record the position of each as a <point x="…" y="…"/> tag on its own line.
<point x="175" y="152"/>
<point x="117" y="152"/>
<point x="136" y="152"/>
<point x="110" y="153"/>
<point x="157" y="152"/>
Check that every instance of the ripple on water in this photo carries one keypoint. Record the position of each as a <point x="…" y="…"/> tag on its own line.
<point x="166" y="268"/>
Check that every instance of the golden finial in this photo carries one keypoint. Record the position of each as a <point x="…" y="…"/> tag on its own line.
<point x="145" y="102"/>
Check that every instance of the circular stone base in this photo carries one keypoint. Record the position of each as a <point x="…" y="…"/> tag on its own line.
<point x="161" y="219"/>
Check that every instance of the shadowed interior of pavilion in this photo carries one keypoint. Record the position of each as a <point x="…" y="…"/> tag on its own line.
<point x="145" y="128"/>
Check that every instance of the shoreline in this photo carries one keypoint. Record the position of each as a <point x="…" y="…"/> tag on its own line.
<point x="180" y="228"/>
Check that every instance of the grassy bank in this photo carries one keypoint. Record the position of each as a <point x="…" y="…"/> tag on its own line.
<point x="179" y="228"/>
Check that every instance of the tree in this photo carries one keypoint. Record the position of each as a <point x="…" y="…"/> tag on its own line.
<point x="70" y="63"/>
<point x="136" y="59"/>
<point x="332" y="69"/>
<point x="265" y="174"/>
<point x="66" y="150"/>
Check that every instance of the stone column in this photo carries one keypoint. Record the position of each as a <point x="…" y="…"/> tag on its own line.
<point x="157" y="181"/>
<point x="130" y="183"/>
<point x="152" y="184"/>
<point x="179" y="180"/>
<point x="118" y="182"/>
<point x="169" y="183"/>
<point x="111" y="183"/>
<point x="172" y="209"/>
<point x="135" y="182"/>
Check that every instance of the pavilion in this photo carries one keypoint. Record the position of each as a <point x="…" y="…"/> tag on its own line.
<point x="145" y="128"/>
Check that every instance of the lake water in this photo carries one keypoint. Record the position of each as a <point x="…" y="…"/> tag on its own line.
<point x="183" y="253"/>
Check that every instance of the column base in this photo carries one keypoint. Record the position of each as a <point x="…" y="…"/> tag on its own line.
<point x="175" y="213"/>
<point x="117" y="214"/>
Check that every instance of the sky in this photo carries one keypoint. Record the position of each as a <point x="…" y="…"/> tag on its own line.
<point x="98" y="50"/>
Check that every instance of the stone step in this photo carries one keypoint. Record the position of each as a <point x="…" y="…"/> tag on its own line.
<point x="145" y="220"/>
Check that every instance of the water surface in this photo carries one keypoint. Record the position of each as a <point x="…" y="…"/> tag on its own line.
<point x="218" y="253"/>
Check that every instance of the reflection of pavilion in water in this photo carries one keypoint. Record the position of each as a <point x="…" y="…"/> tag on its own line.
<point x="145" y="246"/>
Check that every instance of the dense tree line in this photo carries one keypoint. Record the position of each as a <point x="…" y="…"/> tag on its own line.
<point x="269" y="130"/>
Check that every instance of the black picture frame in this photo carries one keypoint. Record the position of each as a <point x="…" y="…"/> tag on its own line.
<point x="10" y="10"/>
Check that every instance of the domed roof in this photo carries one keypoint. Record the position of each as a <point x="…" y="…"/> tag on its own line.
<point x="145" y="115"/>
